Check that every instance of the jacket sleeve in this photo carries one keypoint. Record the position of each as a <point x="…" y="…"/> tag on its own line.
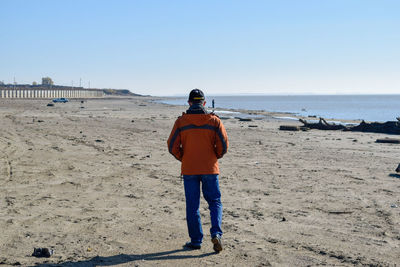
<point x="221" y="143"/>
<point x="174" y="142"/>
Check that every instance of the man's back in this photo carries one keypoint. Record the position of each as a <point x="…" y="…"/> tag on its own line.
<point x="198" y="140"/>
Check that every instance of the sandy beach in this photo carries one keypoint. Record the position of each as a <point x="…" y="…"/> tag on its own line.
<point x="94" y="181"/>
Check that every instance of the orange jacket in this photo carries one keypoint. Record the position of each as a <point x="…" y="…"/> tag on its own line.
<point x="198" y="141"/>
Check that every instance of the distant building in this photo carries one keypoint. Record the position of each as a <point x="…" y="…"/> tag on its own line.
<point x="47" y="81"/>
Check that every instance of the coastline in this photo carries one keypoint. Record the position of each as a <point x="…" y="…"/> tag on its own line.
<point x="286" y="117"/>
<point x="340" y="108"/>
<point x="97" y="185"/>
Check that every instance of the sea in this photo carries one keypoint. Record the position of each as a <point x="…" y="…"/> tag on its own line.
<point x="379" y="108"/>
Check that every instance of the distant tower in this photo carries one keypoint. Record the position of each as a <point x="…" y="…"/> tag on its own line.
<point x="47" y="81"/>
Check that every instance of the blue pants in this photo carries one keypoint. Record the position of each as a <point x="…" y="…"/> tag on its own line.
<point x="211" y="193"/>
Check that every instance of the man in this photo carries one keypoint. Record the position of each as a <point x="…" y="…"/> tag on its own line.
<point x="198" y="140"/>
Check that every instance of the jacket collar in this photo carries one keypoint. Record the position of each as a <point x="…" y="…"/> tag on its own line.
<point x="196" y="109"/>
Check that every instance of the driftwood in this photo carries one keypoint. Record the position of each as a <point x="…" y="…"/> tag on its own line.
<point x="389" y="140"/>
<point x="389" y="127"/>
<point x="289" y="128"/>
<point x="323" y="125"/>
<point x="293" y="128"/>
<point x="244" y="119"/>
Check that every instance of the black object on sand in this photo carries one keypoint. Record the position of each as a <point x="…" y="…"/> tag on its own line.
<point x="388" y="140"/>
<point x="289" y="128"/>
<point x="42" y="252"/>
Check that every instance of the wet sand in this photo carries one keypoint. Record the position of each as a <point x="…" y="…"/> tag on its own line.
<point x="97" y="185"/>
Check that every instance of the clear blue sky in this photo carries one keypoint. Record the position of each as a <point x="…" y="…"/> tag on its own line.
<point x="168" y="47"/>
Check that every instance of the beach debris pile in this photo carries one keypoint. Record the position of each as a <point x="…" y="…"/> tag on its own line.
<point x="389" y="127"/>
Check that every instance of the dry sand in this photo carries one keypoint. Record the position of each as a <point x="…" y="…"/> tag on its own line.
<point x="97" y="185"/>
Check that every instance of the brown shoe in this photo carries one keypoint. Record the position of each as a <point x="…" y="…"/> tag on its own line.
<point x="216" y="240"/>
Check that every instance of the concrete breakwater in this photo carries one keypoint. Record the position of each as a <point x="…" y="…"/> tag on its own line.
<point x="50" y="93"/>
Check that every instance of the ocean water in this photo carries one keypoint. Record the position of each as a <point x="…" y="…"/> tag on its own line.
<point x="342" y="107"/>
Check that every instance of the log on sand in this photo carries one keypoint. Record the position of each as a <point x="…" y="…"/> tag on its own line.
<point x="389" y="127"/>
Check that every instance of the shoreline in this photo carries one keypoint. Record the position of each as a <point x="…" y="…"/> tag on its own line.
<point x="367" y="108"/>
<point x="263" y="114"/>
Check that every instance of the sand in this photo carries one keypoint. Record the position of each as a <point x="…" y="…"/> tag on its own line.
<point x="97" y="185"/>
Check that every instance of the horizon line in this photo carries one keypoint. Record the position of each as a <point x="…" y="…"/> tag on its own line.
<point x="283" y="94"/>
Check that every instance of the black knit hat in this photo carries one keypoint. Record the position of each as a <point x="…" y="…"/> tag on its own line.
<point x="196" y="95"/>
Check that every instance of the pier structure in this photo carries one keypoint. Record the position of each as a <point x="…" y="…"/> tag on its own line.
<point x="42" y="92"/>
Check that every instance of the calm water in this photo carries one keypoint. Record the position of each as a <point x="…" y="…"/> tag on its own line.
<point x="349" y="107"/>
